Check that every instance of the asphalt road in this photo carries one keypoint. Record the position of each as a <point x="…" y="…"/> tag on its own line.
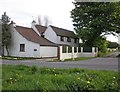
<point x="96" y="63"/>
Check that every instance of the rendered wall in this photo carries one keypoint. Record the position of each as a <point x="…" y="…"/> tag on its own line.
<point x="14" y="48"/>
<point x="47" y="51"/>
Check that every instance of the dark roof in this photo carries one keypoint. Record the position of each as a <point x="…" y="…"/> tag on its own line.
<point x="64" y="32"/>
<point x="31" y="35"/>
<point x="40" y="28"/>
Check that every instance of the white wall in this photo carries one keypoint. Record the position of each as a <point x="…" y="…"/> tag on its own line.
<point x="51" y="35"/>
<point x="77" y="54"/>
<point x="46" y="51"/>
<point x="119" y="38"/>
<point x="17" y="39"/>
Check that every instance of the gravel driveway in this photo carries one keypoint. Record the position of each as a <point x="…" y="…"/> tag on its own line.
<point x="96" y="63"/>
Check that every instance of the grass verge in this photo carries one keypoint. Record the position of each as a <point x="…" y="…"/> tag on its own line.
<point x="16" y="58"/>
<point x="21" y="77"/>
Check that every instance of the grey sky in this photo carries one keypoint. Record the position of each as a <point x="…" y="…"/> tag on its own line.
<point x="22" y="12"/>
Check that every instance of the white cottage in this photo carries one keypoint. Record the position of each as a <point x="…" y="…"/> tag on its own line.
<point x="61" y="36"/>
<point x="27" y="42"/>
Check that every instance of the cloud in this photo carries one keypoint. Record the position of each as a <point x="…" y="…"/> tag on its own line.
<point x="26" y="10"/>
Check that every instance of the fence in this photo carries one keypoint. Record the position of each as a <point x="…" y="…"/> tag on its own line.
<point x="67" y="52"/>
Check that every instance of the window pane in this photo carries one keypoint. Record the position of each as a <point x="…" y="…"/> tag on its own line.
<point x="62" y="38"/>
<point x="22" y="47"/>
<point x="63" y="49"/>
<point x="87" y="49"/>
<point x="68" y="39"/>
<point x="79" y="49"/>
<point x="75" y="49"/>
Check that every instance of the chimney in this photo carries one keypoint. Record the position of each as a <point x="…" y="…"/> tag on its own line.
<point x="13" y="24"/>
<point x="34" y="28"/>
<point x="33" y="23"/>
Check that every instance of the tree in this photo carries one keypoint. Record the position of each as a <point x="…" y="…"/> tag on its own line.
<point x="6" y="35"/>
<point x="93" y="20"/>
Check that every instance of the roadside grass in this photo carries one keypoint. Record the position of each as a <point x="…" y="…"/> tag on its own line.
<point x="21" y="77"/>
<point x="101" y="54"/>
<point x="16" y="58"/>
<point x="81" y="58"/>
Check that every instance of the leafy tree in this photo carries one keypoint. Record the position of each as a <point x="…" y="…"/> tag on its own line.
<point x="93" y="20"/>
<point x="6" y="35"/>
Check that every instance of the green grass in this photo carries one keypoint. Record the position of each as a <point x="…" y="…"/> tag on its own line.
<point x="16" y="58"/>
<point x="81" y="58"/>
<point x="20" y="77"/>
<point x="101" y="54"/>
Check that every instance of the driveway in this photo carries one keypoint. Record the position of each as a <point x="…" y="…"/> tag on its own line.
<point x="96" y="63"/>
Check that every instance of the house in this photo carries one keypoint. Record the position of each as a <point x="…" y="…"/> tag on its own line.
<point x="57" y="35"/>
<point x="27" y="42"/>
<point x="61" y="36"/>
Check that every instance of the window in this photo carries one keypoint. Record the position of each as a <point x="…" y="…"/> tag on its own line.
<point x="75" y="40"/>
<point x="87" y="49"/>
<point x="68" y="39"/>
<point x="69" y="49"/>
<point x="62" y="38"/>
<point x="63" y="49"/>
<point x="75" y="49"/>
<point x="35" y="49"/>
<point x="22" y="47"/>
<point x="79" y="49"/>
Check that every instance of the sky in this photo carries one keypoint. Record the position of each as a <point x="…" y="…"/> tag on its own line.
<point x="23" y="12"/>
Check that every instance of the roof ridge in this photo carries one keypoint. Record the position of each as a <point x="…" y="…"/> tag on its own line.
<point x="40" y="25"/>
<point x="62" y="28"/>
<point x="23" y="27"/>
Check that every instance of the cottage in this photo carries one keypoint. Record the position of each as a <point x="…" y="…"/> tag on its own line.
<point x="27" y="42"/>
<point x="61" y="36"/>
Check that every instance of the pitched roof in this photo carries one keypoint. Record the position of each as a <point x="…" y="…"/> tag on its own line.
<point x="40" y="28"/>
<point x="64" y="32"/>
<point x="31" y="35"/>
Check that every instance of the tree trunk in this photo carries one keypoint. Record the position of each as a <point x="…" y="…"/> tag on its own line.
<point x="7" y="50"/>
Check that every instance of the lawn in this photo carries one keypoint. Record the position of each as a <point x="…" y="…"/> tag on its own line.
<point x="20" y="77"/>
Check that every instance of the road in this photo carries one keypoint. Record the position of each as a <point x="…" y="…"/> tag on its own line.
<point x="96" y="63"/>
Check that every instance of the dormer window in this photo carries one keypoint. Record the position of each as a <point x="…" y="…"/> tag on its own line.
<point x="75" y="40"/>
<point x="68" y="39"/>
<point x="62" y="38"/>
